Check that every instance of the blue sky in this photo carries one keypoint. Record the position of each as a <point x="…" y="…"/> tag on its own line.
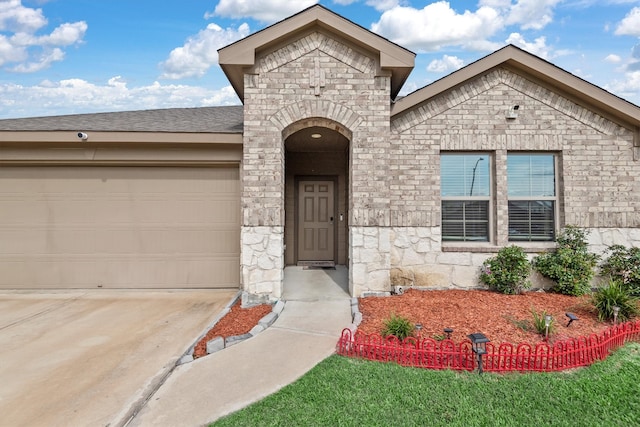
<point x="83" y="56"/>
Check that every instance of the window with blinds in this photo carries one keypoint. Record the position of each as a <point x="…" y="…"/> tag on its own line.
<point x="465" y="192"/>
<point x="531" y="189"/>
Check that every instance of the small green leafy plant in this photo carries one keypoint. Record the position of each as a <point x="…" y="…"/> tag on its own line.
<point x="507" y="272"/>
<point x="623" y="264"/>
<point x="539" y="322"/>
<point x="525" y="325"/>
<point x="571" y="266"/>
<point x="615" y="294"/>
<point x="398" y="326"/>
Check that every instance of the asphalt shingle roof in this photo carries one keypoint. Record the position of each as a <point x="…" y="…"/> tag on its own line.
<point x="203" y="119"/>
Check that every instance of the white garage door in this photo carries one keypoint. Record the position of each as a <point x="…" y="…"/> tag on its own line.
<point x="119" y="227"/>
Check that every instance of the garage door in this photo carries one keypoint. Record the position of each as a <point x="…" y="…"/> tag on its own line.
<point x="119" y="227"/>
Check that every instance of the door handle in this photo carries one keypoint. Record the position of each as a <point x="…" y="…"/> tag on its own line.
<point x="331" y="220"/>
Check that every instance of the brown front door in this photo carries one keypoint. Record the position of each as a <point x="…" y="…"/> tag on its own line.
<point x="316" y="219"/>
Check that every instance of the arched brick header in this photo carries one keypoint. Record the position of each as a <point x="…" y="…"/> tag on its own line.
<point x="312" y="112"/>
<point x="316" y="122"/>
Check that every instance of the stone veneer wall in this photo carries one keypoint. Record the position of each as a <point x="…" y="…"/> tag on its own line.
<point x="417" y="259"/>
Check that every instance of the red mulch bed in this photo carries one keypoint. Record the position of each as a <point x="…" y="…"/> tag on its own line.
<point x="238" y="321"/>
<point x="465" y="312"/>
<point x="488" y="312"/>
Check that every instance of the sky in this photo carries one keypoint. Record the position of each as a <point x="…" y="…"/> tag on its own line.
<point x="85" y="56"/>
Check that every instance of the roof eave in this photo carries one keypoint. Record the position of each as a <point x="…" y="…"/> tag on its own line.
<point x="121" y="137"/>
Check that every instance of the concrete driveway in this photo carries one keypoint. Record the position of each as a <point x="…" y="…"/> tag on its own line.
<point x="87" y="358"/>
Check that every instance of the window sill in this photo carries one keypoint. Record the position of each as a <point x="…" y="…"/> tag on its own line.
<point x="528" y="247"/>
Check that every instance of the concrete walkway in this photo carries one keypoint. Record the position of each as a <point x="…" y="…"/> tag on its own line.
<point x="317" y="308"/>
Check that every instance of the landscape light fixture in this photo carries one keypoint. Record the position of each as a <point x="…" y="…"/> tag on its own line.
<point x="571" y="317"/>
<point x="547" y="323"/>
<point x="616" y="311"/>
<point x="479" y="347"/>
<point x="448" y="332"/>
<point x="418" y="327"/>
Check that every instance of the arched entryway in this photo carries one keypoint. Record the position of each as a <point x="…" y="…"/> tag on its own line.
<point x="316" y="193"/>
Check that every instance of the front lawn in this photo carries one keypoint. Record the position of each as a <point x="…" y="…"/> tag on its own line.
<point x="346" y="392"/>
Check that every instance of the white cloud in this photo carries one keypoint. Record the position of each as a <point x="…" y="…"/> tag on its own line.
<point x="496" y="4"/>
<point x="261" y="10"/>
<point x="16" y="18"/>
<point x="382" y="5"/>
<point x="65" y="35"/>
<point x="344" y="2"/>
<point x="532" y="14"/>
<point x="613" y="58"/>
<point x="629" y="88"/>
<point x="200" y="52"/>
<point x="537" y="47"/>
<point x="630" y="24"/>
<point x="80" y="96"/>
<point x="447" y="63"/>
<point x="22" y="49"/>
<point x="43" y="61"/>
<point x="438" y="25"/>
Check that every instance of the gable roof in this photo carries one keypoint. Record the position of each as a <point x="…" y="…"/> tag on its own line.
<point x="238" y="56"/>
<point x="176" y="120"/>
<point x="522" y="62"/>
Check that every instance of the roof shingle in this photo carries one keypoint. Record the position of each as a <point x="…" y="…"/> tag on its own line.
<point x="227" y="119"/>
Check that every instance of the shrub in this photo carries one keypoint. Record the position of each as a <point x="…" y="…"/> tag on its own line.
<point x="507" y="272"/>
<point x="623" y="265"/>
<point x="398" y="326"/>
<point x="614" y="294"/>
<point x="571" y="266"/>
<point x="539" y="322"/>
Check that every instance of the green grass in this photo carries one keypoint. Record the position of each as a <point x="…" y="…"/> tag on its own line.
<point x="346" y="392"/>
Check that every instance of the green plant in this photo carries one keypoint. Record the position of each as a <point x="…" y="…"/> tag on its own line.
<point x="623" y="264"/>
<point x="525" y="325"/>
<point x="398" y="326"/>
<point x="540" y="323"/>
<point x="507" y="272"/>
<point x="614" y="294"/>
<point x="571" y="266"/>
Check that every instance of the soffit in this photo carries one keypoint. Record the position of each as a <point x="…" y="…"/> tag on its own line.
<point x="538" y="70"/>
<point x="239" y="56"/>
<point x="316" y="139"/>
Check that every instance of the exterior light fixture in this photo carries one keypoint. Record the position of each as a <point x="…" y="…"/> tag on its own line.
<point x="512" y="114"/>
<point x="479" y="346"/>
<point x="448" y="332"/>
<point x="316" y="136"/>
<point x="616" y="311"/>
<point x="571" y="317"/>
<point x="547" y="323"/>
<point x="418" y="327"/>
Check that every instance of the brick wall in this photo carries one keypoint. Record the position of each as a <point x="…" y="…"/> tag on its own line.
<point x="314" y="77"/>
<point x="598" y="188"/>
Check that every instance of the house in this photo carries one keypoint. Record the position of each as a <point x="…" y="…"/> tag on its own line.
<point x="323" y="163"/>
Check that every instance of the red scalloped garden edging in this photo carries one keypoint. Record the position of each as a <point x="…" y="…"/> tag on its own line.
<point x="429" y="353"/>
